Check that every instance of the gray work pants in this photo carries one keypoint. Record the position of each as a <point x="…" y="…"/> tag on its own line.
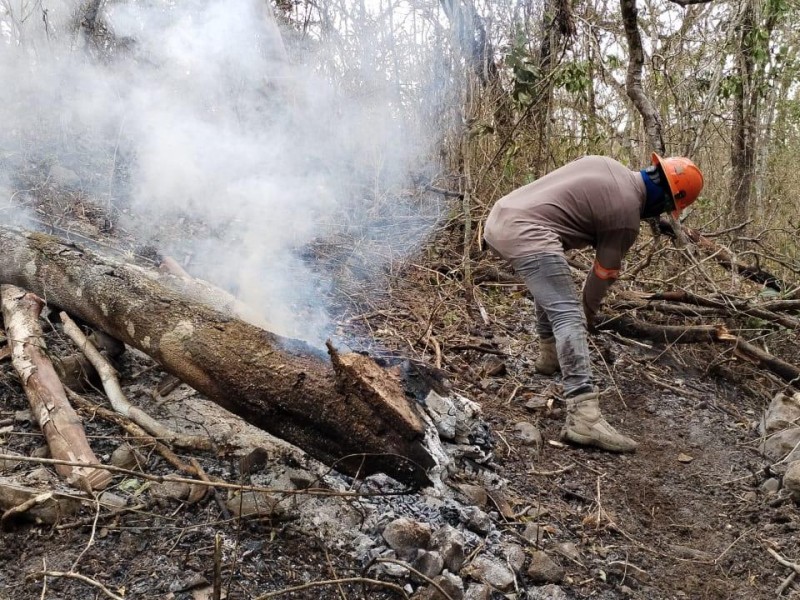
<point x="559" y="314"/>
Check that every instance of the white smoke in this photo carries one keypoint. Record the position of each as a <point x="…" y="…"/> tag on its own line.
<point x="200" y="124"/>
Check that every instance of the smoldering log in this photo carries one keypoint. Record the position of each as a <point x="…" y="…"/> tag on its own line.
<point x="283" y="386"/>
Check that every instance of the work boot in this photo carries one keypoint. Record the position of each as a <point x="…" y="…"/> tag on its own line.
<point x="587" y="427"/>
<point x="547" y="362"/>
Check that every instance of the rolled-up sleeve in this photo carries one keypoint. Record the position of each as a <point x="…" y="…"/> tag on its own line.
<point x="610" y="250"/>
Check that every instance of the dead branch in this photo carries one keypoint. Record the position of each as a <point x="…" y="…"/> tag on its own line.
<point x="788" y="372"/>
<point x="117" y="398"/>
<point x="327" y="582"/>
<point x="725" y="258"/>
<point x="729" y="306"/>
<point x="60" y="424"/>
<point x="78" y="577"/>
<point x="670" y="334"/>
<point x="216" y="484"/>
<point x="139" y="435"/>
<point x="675" y="334"/>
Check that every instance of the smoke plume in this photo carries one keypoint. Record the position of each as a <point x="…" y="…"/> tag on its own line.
<point x="198" y="132"/>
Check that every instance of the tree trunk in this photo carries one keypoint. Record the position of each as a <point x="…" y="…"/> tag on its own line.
<point x="633" y="81"/>
<point x="354" y="417"/>
<point x="743" y="136"/>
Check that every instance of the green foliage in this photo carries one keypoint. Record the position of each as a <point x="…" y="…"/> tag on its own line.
<point x="730" y="87"/>
<point x="613" y="61"/>
<point x="574" y="77"/>
<point x="525" y="72"/>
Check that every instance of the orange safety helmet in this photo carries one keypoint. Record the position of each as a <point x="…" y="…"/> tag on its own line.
<point x="684" y="179"/>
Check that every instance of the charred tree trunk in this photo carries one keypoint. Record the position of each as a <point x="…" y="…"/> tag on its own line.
<point x="280" y="385"/>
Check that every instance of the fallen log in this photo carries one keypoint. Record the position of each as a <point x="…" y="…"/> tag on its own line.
<point x="283" y="386"/>
<point x="52" y="411"/>
<point x="670" y="334"/>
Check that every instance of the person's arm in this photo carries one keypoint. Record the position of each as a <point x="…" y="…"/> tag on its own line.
<point x="611" y="249"/>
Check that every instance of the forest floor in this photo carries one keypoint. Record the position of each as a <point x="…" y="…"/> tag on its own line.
<point x="688" y="515"/>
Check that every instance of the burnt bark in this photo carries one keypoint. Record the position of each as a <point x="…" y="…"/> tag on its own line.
<point x="283" y="386"/>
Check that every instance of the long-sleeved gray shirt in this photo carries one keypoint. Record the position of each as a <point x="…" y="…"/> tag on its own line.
<point x="593" y="201"/>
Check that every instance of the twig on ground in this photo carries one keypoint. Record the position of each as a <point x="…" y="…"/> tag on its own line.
<point x="417" y="573"/>
<point x="79" y="577"/>
<point x="90" y="520"/>
<point x="327" y="582"/>
<point x="551" y="473"/>
<point x="117" y="398"/>
<point x="24" y="507"/>
<point x="139" y="434"/>
<point x="786" y="563"/>
<point x="216" y="484"/>
<point x="786" y="583"/>
<point x="91" y="536"/>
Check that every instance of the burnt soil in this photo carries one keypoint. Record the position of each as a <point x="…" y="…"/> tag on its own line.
<point x="684" y="517"/>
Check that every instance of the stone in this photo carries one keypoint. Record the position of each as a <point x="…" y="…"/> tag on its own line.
<point x="112" y="501"/>
<point x="771" y="485"/>
<point x="782" y="445"/>
<point x="476" y="520"/>
<point x="478" y="591"/>
<point x="125" y="457"/>
<point x="543" y="569"/>
<point x="255" y="504"/>
<point x="569" y="550"/>
<point x="41" y="452"/>
<point x="475" y="494"/>
<point x="515" y="556"/>
<point x="23" y="416"/>
<point x="547" y="592"/>
<point x="428" y="563"/>
<point x="536" y="403"/>
<point x="443" y="412"/>
<point x="537" y="511"/>
<point x="40" y="475"/>
<point x="406" y="536"/>
<point x="783" y="413"/>
<point x="528" y="434"/>
<point x="392" y="569"/>
<point x="452" y="585"/>
<point x="449" y="542"/>
<point x="492" y="572"/>
<point x="175" y="490"/>
<point x="791" y="479"/>
<point x="533" y="533"/>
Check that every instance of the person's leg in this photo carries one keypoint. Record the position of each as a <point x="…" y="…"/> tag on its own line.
<point x="559" y="314"/>
<point x="549" y="281"/>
